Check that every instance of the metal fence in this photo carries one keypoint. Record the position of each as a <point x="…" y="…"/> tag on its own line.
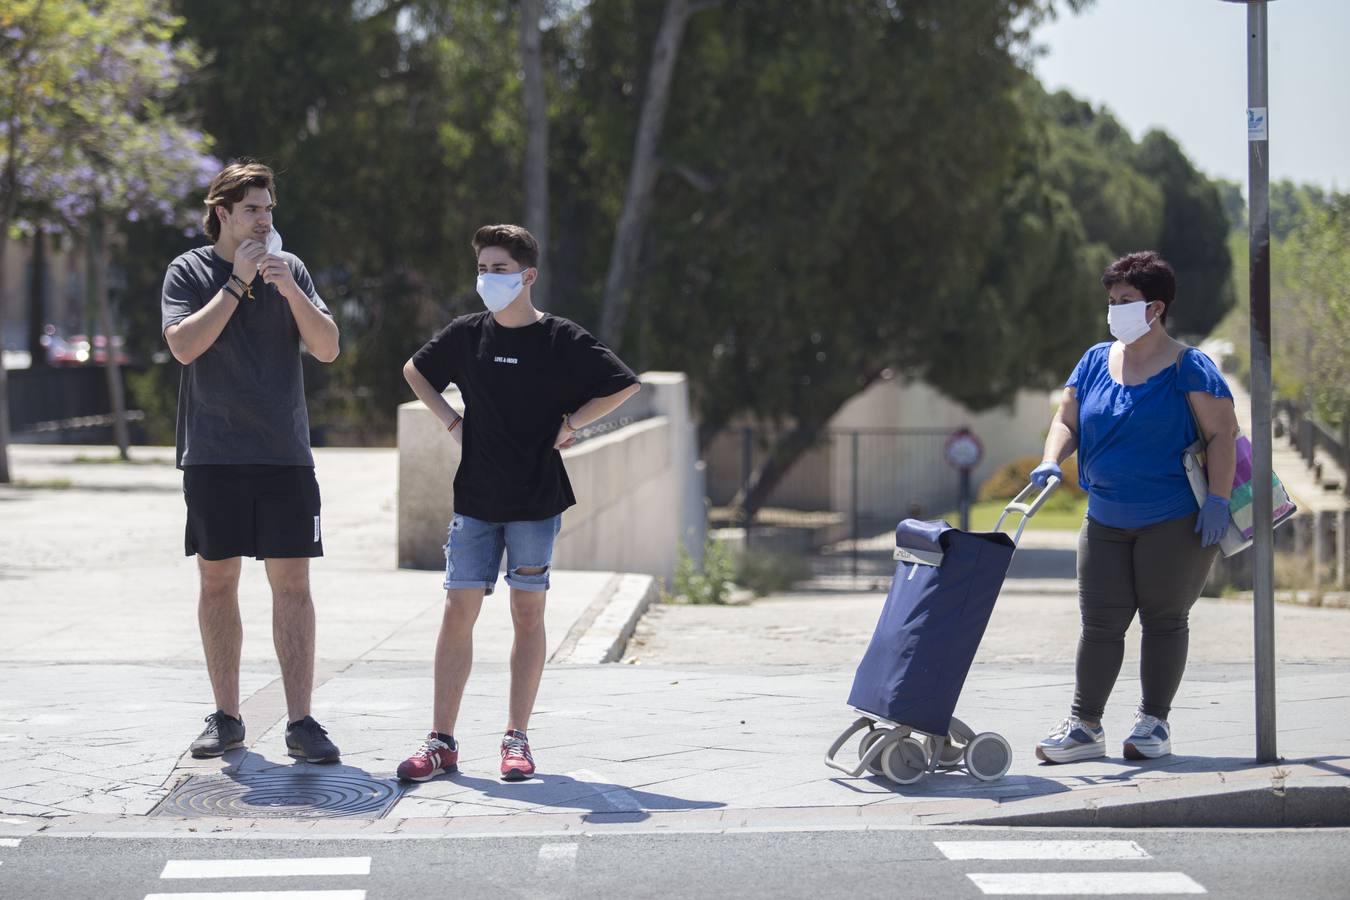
<point x="836" y="509"/>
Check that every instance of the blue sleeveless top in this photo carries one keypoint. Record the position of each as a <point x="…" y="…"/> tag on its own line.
<point x="1130" y="437"/>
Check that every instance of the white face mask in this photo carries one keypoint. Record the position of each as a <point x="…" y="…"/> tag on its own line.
<point x="1129" y="321"/>
<point x="273" y="241"/>
<point x="499" y="289"/>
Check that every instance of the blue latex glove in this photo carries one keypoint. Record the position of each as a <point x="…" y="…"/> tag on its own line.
<point x="1041" y="475"/>
<point x="1212" y="522"/>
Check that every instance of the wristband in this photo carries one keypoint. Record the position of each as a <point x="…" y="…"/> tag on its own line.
<point x="244" y="287"/>
<point x="455" y="424"/>
<point x="226" y="288"/>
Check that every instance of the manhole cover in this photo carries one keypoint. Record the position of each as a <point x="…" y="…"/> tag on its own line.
<point x="281" y="795"/>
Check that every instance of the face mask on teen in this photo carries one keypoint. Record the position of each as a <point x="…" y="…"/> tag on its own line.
<point x="499" y="289"/>
<point x="1129" y="321"/>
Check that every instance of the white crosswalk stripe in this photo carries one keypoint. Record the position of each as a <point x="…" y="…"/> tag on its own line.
<point x="266" y="868"/>
<point x="1085" y="850"/>
<point x="262" y="895"/>
<point x="307" y="867"/>
<point x="1130" y="881"/>
<point x="10" y="842"/>
<point x="1096" y="883"/>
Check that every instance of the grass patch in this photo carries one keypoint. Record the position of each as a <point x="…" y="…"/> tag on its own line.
<point x="84" y="459"/>
<point x="44" y="484"/>
<point x="1062" y="512"/>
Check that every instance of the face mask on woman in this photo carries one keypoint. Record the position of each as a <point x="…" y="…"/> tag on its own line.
<point x="499" y="289"/>
<point x="1129" y="321"/>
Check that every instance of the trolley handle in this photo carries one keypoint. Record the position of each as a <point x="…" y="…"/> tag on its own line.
<point x="1027" y="510"/>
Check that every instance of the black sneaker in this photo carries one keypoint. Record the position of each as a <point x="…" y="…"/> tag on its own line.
<point x="223" y="732"/>
<point x="308" y="740"/>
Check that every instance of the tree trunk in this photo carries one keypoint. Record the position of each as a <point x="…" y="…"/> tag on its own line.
<point x="98" y="285"/>
<point x="37" y="301"/>
<point x="623" y="253"/>
<point x="536" y="141"/>
<point x="788" y="448"/>
<point x="4" y="376"/>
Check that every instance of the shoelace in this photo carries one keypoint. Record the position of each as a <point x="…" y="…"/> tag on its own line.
<point x="430" y="746"/>
<point x="515" y="746"/>
<point x="1063" y="728"/>
<point x="313" y="728"/>
<point x="1144" y="725"/>
<point x="212" y="725"/>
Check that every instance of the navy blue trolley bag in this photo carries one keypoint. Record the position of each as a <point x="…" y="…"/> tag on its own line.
<point x="942" y="595"/>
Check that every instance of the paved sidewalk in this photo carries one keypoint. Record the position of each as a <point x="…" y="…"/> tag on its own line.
<point x="104" y="689"/>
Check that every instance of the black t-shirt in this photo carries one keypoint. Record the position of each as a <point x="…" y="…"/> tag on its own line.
<point x="517" y="383"/>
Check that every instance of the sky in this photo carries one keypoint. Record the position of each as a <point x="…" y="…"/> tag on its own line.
<point x="1181" y="65"/>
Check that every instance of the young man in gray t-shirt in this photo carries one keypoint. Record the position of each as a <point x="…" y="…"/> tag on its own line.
<point x="235" y="315"/>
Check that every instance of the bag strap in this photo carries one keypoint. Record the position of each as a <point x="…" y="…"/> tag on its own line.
<point x="1199" y="432"/>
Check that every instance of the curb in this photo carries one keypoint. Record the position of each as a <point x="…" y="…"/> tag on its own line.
<point x="606" y="628"/>
<point x="1262" y="798"/>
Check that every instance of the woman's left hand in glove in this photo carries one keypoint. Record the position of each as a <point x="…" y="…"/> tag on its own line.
<point x="1213" y="520"/>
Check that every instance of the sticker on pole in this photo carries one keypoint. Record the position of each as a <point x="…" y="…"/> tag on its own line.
<point x="1257" y="129"/>
<point x="963" y="449"/>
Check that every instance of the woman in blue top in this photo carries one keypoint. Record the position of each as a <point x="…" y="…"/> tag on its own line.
<point x="1144" y="545"/>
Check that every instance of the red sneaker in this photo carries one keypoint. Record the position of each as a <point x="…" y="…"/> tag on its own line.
<point x="517" y="761"/>
<point x="433" y="758"/>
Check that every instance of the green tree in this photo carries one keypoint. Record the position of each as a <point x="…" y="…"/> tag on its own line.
<point x="87" y="136"/>
<point x="1194" y="237"/>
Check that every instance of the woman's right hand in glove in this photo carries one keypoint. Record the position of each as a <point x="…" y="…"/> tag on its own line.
<point x="1041" y="475"/>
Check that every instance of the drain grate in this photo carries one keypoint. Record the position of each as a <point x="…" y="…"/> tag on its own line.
<point x="281" y="795"/>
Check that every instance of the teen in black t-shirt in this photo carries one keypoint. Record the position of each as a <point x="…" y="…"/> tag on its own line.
<point x="529" y="380"/>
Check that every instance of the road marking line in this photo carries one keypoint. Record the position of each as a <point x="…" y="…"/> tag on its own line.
<point x="1041" y="850"/>
<point x="10" y="842"/>
<point x="263" y="895"/>
<point x="266" y="868"/>
<point x="1086" y="883"/>
<point x="553" y="857"/>
<point x="620" y="799"/>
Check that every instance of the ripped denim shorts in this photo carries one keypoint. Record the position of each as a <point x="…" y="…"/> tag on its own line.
<point x="473" y="553"/>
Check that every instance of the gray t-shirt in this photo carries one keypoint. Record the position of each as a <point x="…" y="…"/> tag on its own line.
<point x="242" y="402"/>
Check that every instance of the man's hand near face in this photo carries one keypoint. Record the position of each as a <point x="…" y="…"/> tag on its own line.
<point x="276" y="272"/>
<point x="247" y="259"/>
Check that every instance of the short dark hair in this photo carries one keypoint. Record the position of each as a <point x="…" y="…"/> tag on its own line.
<point x="1146" y="272"/>
<point x="516" y="241"/>
<point x="230" y="186"/>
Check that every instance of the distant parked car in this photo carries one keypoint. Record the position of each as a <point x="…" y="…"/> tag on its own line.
<point x="78" y="350"/>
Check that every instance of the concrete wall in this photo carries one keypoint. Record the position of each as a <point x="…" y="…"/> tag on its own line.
<point x="639" y="487"/>
<point x="896" y="473"/>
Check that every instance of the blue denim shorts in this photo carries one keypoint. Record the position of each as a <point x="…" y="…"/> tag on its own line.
<point x="473" y="553"/>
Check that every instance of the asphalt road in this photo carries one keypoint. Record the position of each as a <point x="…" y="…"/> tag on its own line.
<point x="947" y="863"/>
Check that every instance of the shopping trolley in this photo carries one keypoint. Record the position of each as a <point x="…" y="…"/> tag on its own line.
<point x="905" y="690"/>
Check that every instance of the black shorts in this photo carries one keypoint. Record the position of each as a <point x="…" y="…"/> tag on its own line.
<point x="267" y="512"/>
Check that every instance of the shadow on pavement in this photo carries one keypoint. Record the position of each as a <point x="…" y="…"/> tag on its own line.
<point x="958" y="784"/>
<point x="602" y="799"/>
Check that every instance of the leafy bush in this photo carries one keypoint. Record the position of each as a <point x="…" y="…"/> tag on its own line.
<point x="1011" y="477"/>
<point x="712" y="583"/>
<point x="771" y="573"/>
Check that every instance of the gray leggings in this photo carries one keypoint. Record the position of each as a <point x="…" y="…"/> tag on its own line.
<point x="1158" y="570"/>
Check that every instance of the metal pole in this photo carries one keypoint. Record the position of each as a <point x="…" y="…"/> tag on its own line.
<point x="747" y="460"/>
<point x="855" y="528"/>
<point x="965" y="499"/>
<point x="1263" y="547"/>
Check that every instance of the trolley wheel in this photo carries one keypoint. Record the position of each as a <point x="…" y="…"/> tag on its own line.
<point x="868" y="739"/>
<point x="952" y="754"/>
<point x="988" y="756"/>
<point x="905" y="761"/>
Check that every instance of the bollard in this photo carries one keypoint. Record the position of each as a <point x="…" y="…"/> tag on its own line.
<point x="1342" y="545"/>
